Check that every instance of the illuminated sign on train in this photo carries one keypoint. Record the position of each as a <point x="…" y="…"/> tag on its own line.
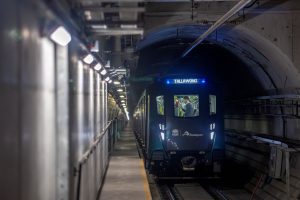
<point x="185" y="81"/>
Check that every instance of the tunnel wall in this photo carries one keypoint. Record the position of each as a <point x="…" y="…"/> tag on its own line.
<point x="52" y="106"/>
<point x="274" y="70"/>
<point x="266" y="39"/>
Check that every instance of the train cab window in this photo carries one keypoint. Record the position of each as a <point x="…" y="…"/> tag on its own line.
<point x="212" y="104"/>
<point x="186" y="105"/>
<point x="160" y="105"/>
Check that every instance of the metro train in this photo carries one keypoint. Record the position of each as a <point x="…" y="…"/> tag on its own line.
<point x="179" y="121"/>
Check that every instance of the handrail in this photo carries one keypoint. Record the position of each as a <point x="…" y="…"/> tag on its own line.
<point x="86" y="155"/>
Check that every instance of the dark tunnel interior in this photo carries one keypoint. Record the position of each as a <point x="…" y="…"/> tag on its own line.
<point x="208" y="60"/>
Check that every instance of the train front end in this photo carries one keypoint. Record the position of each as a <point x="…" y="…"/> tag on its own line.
<point x="189" y="122"/>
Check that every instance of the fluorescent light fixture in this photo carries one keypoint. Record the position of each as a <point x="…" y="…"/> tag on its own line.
<point x="129" y="26"/>
<point x="88" y="14"/>
<point x="95" y="47"/>
<point x="99" y="26"/>
<point x="107" y="64"/>
<point x="120" y="90"/>
<point x="98" y="66"/>
<point x="110" y="81"/>
<point x="117" y="83"/>
<point x="88" y="59"/>
<point x="61" y="36"/>
<point x="122" y="96"/>
<point x="123" y="101"/>
<point x="103" y="72"/>
<point x="107" y="79"/>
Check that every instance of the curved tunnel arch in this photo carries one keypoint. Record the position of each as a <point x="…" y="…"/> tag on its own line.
<point x="270" y="66"/>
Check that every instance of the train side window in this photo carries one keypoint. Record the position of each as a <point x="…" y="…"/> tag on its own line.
<point x="212" y="104"/>
<point x="160" y="105"/>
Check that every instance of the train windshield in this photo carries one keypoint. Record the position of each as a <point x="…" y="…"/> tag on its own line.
<point x="160" y="105"/>
<point x="186" y="105"/>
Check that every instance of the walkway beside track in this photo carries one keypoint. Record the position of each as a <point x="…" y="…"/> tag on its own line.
<point x="126" y="177"/>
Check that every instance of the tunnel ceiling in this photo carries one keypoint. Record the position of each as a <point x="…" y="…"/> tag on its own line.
<point x="146" y="38"/>
<point x="207" y="60"/>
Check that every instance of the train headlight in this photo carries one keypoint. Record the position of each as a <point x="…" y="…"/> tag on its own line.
<point x="161" y="127"/>
<point x="212" y="126"/>
<point x="162" y="134"/>
<point x="212" y="135"/>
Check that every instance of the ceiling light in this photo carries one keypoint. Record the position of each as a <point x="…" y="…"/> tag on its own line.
<point x="98" y="66"/>
<point x="121" y="96"/>
<point x="88" y="14"/>
<point x="129" y="26"/>
<point x="110" y="81"/>
<point x="119" y="90"/>
<point x="99" y="26"/>
<point x="116" y="82"/>
<point x="61" y="36"/>
<point x="88" y="59"/>
<point x="103" y="72"/>
<point x="107" y="64"/>
<point x="95" y="47"/>
<point x="107" y="79"/>
<point x="123" y="101"/>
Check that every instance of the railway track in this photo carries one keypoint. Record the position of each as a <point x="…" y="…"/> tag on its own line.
<point x="189" y="191"/>
<point x="167" y="192"/>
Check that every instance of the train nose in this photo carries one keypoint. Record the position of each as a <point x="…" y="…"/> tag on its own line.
<point x="189" y="163"/>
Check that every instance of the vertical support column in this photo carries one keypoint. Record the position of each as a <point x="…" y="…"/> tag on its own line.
<point x="97" y="111"/>
<point x="91" y="108"/>
<point x="102" y="107"/>
<point x="38" y="134"/>
<point x="10" y="102"/>
<point x="105" y="104"/>
<point x="62" y="124"/>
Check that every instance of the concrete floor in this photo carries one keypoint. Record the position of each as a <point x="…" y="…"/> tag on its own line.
<point x="126" y="177"/>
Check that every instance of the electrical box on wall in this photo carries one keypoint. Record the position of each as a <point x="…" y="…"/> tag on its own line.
<point x="276" y="166"/>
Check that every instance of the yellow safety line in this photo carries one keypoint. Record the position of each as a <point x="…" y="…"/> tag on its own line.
<point x="145" y="181"/>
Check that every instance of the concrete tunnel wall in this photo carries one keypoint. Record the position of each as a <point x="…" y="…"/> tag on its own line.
<point x="272" y="67"/>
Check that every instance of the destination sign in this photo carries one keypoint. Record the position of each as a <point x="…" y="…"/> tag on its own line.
<point x="180" y="81"/>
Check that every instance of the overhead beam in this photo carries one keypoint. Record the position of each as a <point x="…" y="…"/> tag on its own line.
<point x="116" y="31"/>
<point x="114" y="9"/>
<point x="118" y="22"/>
<point x="240" y="5"/>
